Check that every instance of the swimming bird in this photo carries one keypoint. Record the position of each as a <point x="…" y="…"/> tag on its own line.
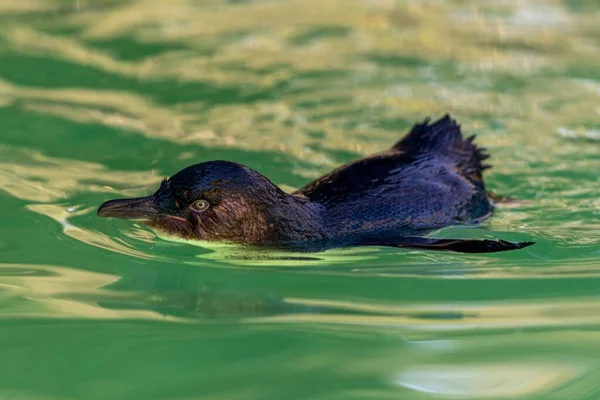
<point x="430" y="179"/>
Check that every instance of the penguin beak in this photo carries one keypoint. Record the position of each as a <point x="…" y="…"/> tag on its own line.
<point x="141" y="208"/>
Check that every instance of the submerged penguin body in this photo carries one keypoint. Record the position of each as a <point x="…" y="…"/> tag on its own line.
<point x="430" y="179"/>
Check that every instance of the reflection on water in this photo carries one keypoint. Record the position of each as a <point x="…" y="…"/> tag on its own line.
<point x="101" y="99"/>
<point x="61" y="215"/>
<point x="490" y="381"/>
<point x="59" y="292"/>
<point x="32" y="176"/>
<point x="384" y="66"/>
<point x="49" y="293"/>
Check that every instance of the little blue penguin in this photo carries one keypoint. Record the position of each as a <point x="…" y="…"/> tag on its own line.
<point x="430" y="179"/>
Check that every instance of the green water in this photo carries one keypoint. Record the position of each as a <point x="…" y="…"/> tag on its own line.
<point x="101" y="99"/>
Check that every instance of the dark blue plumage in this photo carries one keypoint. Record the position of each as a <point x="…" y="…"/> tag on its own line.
<point x="430" y="179"/>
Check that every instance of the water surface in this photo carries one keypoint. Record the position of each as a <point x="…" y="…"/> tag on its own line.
<point x="101" y="99"/>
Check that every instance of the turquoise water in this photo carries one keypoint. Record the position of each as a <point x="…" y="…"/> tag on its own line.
<point x="101" y="99"/>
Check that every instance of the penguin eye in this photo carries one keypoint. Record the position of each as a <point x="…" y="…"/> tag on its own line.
<point x="200" y="205"/>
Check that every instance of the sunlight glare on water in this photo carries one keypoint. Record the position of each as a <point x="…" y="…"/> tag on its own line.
<point x="102" y="99"/>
